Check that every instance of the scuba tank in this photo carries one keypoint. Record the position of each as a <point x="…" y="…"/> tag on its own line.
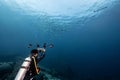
<point x="23" y="70"/>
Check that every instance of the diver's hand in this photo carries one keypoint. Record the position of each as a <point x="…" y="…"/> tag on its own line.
<point x="41" y="49"/>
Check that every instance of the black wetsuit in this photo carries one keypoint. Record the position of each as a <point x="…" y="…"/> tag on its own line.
<point x="32" y="70"/>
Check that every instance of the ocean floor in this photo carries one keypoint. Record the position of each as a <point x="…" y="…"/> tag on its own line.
<point x="8" y="71"/>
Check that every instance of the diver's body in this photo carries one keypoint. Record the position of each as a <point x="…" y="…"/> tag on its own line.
<point x="35" y="59"/>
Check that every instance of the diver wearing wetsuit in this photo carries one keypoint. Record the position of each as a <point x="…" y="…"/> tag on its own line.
<point x="35" y="59"/>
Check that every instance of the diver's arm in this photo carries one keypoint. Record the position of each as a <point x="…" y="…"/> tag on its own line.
<point x="41" y="57"/>
<point x="42" y="54"/>
<point x="35" y="65"/>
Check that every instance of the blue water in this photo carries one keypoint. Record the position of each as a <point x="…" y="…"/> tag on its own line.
<point x="86" y="38"/>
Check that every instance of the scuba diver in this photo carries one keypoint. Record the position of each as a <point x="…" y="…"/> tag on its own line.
<point x="30" y="68"/>
<point x="35" y="59"/>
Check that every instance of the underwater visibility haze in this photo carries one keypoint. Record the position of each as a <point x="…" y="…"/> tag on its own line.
<point x="85" y="34"/>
